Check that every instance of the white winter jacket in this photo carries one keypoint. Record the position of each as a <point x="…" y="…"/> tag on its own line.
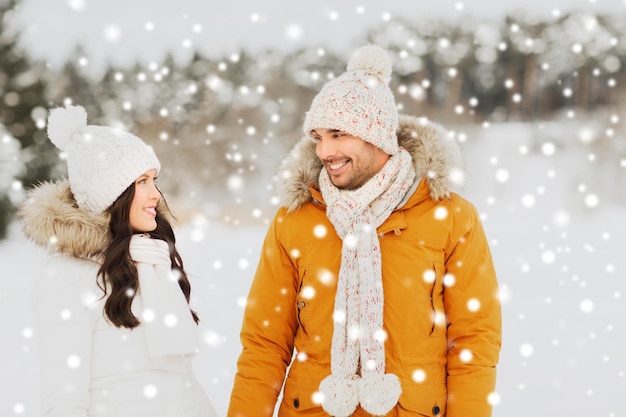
<point x="88" y="366"/>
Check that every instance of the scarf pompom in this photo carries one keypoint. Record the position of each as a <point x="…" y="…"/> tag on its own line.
<point x="378" y="394"/>
<point x="341" y="396"/>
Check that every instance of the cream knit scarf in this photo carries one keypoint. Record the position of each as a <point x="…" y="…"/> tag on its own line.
<point x="358" y="350"/>
<point x="163" y="309"/>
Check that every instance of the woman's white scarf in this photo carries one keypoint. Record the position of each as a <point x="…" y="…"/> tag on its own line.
<point x="358" y="335"/>
<point x="164" y="311"/>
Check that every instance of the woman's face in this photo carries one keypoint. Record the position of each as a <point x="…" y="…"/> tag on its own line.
<point x="142" y="214"/>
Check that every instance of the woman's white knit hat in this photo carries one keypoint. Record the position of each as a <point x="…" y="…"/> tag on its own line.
<point x="359" y="101"/>
<point x="102" y="162"/>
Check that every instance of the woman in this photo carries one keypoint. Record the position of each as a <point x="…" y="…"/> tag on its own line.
<point x="116" y="335"/>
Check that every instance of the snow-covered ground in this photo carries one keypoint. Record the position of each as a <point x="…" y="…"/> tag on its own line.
<point x="559" y="247"/>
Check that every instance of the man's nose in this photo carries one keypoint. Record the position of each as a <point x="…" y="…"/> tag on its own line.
<point x="326" y="148"/>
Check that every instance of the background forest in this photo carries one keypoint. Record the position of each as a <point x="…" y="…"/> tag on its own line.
<point x="222" y="125"/>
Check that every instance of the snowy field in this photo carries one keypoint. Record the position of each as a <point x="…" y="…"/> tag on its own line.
<point x="560" y="250"/>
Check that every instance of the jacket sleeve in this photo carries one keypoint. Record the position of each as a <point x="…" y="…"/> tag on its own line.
<point x="474" y="319"/>
<point x="64" y="332"/>
<point x="267" y="333"/>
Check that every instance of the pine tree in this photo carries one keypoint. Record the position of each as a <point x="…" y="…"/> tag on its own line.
<point x="23" y="103"/>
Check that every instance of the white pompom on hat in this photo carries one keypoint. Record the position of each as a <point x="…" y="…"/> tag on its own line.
<point x="359" y="101"/>
<point x="102" y="162"/>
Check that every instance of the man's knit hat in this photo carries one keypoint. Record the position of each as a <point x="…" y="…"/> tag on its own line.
<point x="359" y="101"/>
<point x="102" y="162"/>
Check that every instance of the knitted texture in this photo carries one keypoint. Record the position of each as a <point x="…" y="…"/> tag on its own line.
<point x="358" y="336"/>
<point x="359" y="101"/>
<point x="102" y="162"/>
<point x="161" y="305"/>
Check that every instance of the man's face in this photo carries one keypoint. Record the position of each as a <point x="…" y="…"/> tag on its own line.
<point x="349" y="160"/>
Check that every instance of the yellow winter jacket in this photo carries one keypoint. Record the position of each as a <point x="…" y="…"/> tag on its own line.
<point x="441" y="310"/>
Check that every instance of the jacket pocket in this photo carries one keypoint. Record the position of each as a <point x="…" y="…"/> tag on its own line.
<point x="423" y="400"/>
<point x="437" y="309"/>
<point x="301" y="301"/>
<point x="300" y="305"/>
<point x="298" y="396"/>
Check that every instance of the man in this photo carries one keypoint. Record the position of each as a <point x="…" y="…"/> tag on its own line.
<point x="375" y="284"/>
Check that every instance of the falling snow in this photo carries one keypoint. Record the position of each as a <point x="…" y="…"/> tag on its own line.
<point x="559" y="261"/>
<point x="550" y="194"/>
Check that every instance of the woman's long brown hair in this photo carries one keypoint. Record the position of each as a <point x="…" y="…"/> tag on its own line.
<point x="118" y="274"/>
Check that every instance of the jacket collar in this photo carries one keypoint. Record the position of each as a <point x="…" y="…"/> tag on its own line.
<point x="436" y="158"/>
<point x="51" y="218"/>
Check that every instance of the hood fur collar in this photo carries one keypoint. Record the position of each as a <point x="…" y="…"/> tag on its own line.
<point x="436" y="158"/>
<point x="51" y="218"/>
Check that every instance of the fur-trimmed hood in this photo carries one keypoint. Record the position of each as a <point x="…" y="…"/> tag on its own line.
<point x="51" y="218"/>
<point x="436" y="158"/>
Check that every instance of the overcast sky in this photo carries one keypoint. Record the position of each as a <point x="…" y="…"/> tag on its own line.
<point x="126" y="31"/>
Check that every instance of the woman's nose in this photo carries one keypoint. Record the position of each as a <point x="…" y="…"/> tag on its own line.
<point x="154" y="193"/>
